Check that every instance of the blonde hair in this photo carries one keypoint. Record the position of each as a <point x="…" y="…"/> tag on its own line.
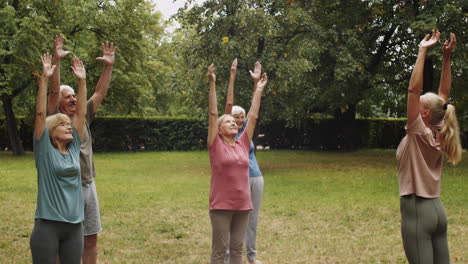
<point x="221" y="118"/>
<point x="54" y="120"/>
<point x="449" y="135"/>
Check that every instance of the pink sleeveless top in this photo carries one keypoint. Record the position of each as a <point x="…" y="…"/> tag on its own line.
<point x="230" y="188"/>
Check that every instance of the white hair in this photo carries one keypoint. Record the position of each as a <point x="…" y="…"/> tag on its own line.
<point x="64" y="87"/>
<point x="237" y="110"/>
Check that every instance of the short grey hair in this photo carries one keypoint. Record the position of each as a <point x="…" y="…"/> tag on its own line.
<point x="237" y="110"/>
<point x="63" y="87"/>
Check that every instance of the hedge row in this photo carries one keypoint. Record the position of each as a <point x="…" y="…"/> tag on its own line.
<point x="329" y="134"/>
<point x="160" y="133"/>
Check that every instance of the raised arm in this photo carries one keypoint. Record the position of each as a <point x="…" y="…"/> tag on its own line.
<point x="108" y="51"/>
<point x="59" y="53"/>
<point x="256" y="75"/>
<point x="255" y="107"/>
<point x="416" y="81"/>
<point x="446" y="75"/>
<point x="230" y="94"/>
<point x="41" y="99"/>
<point x="80" y="116"/>
<point x="213" y="107"/>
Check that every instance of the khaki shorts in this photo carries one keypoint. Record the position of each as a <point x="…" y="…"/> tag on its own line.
<point x="92" y="218"/>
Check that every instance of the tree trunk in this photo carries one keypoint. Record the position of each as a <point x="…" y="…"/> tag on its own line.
<point x="15" y="141"/>
<point x="428" y="76"/>
<point x="347" y="136"/>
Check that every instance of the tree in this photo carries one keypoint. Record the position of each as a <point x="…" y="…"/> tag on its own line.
<point x="28" y="27"/>
<point x="339" y="58"/>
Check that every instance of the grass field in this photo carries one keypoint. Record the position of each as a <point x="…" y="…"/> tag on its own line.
<point x="318" y="207"/>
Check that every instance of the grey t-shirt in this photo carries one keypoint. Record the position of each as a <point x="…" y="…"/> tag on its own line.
<point x="88" y="172"/>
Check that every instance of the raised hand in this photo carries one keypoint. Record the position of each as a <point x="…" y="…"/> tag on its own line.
<point x="210" y="74"/>
<point x="58" y="47"/>
<point x="430" y="40"/>
<point x="256" y="74"/>
<point x="261" y="84"/>
<point x="448" y="47"/>
<point x="47" y="67"/>
<point x="78" y="68"/>
<point x="108" y="51"/>
<point x="234" y="66"/>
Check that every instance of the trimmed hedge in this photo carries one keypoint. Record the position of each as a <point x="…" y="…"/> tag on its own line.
<point x="169" y="133"/>
<point x="329" y="134"/>
<point x="153" y="133"/>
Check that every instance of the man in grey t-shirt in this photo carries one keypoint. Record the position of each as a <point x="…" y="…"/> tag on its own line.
<point x="62" y="99"/>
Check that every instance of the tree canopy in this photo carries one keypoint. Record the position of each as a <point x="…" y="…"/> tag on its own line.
<point x="324" y="56"/>
<point x="28" y="29"/>
<point x="337" y="58"/>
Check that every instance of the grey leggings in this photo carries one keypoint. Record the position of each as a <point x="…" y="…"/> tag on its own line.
<point x="228" y="231"/>
<point x="50" y="239"/>
<point x="256" y="193"/>
<point x="424" y="230"/>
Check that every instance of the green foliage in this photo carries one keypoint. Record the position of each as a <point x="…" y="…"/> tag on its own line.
<point x="133" y="26"/>
<point x="322" y="56"/>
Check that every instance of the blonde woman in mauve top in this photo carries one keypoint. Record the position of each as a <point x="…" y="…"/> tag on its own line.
<point x="230" y="200"/>
<point x="432" y="130"/>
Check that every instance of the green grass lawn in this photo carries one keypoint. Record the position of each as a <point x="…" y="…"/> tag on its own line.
<point x="318" y="207"/>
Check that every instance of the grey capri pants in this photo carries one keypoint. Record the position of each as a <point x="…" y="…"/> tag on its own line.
<point x="424" y="230"/>
<point x="50" y="239"/>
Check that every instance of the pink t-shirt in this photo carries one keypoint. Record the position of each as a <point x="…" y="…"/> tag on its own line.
<point x="419" y="158"/>
<point x="230" y="188"/>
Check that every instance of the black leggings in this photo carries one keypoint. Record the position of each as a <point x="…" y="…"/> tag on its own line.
<point x="50" y="239"/>
<point x="424" y="230"/>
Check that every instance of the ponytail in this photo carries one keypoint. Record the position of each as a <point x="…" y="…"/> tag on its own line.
<point x="449" y="136"/>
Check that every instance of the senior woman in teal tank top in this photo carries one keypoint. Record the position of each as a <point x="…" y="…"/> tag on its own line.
<point x="255" y="175"/>
<point x="59" y="212"/>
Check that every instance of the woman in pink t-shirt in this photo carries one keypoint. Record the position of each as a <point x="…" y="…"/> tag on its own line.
<point x="432" y="130"/>
<point x="230" y="201"/>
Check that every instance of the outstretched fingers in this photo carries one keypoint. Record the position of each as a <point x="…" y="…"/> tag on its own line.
<point x="47" y="67"/>
<point x="78" y="68"/>
<point x="430" y="40"/>
<point x="256" y="74"/>
<point x="58" y="47"/>
<point x="263" y="82"/>
<point x="449" y="45"/>
<point x="108" y="51"/>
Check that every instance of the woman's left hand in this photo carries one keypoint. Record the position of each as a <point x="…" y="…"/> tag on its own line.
<point x="47" y="67"/>
<point x="448" y="47"/>
<point x="210" y="74"/>
<point x="429" y="40"/>
<point x="262" y="82"/>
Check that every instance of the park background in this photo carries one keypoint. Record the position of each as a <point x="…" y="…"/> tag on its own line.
<point x="338" y="74"/>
